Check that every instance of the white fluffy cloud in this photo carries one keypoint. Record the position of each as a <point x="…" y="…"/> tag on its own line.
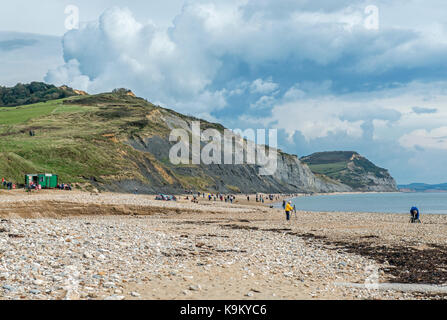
<point x="179" y="65"/>
<point x="425" y="139"/>
<point x="315" y="118"/>
<point x="265" y="102"/>
<point x="390" y="112"/>
<point x="118" y="51"/>
<point x="70" y="73"/>
<point x="263" y="86"/>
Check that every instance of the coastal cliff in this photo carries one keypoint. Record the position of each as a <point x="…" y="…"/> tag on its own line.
<point x="352" y="170"/>
<point x="119" y="142"/>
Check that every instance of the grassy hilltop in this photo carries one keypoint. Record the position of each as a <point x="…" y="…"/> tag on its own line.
<point x="78" y="138"/>
<point x="348" y="167"/>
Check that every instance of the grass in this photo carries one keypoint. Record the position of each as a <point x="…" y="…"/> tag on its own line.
<point x="69" y="141"/>
<point x="16" y="115"/>
<point x="23" y="114"/>
<point x="328" y="168"/>
<point x="83" y="138"/>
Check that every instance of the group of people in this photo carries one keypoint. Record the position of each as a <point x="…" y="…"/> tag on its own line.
<point x="8" y="185"/>
<point x="262" y="197"/>
<point x="165" y="197"/>
<point x="287" y="205"/>
<point x="216" y="197"/>
<point x="64" y="186"/>
<point x="212" y="197"/>
<point x="34" y="186"/>
<point x="37" y="186"/>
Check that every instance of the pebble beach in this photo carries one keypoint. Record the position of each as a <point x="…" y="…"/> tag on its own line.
<point x="58" y="245"/>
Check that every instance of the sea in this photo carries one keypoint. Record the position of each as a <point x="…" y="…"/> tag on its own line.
<point x="428" y="203"/>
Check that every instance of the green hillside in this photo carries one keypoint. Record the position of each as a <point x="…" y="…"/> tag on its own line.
<point x="79" y="141"/>
<point x="348" y="167"/>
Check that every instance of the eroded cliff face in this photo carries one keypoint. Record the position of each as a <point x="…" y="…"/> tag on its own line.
<point x="372" y="183"/>
<point x="300" y="177"/>
<point x="290" y="176"/>
<point x="120" y="142"/>
<point x="351" y="169"/>
<point x="154" y="172"/>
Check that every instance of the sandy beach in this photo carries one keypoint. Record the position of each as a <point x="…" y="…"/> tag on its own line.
<point x="73" y="245"/>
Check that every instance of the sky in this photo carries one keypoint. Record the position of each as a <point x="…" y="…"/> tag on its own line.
<point x="366" y="76"/>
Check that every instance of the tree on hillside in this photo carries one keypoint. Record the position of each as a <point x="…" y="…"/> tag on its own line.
<point x="23" y="94"/>
<point x="121" y="91"/>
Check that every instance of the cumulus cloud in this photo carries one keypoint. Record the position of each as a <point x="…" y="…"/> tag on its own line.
<point x="378" y="115"/>
<point x="185" y="59"/>
<point x="69" y="73"/>
<point x="265" y="102"/>
<point x="118" y="51"/>
<point x="424" y="139"/>
<point x="263" y="86"/>
<point x="313" y="119"/>
<point x="211" y="41"/>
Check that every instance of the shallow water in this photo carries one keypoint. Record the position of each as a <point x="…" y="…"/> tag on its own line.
<point x="428" y="203"/>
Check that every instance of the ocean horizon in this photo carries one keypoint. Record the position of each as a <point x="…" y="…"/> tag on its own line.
<point x="393" y="202"/>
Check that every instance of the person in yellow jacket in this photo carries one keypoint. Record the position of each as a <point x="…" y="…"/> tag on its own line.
<point x="288" y="210"/>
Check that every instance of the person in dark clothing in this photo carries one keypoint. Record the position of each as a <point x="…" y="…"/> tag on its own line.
<point x="414" y="211"/>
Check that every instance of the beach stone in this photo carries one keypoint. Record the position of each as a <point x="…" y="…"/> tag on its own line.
<point x="38" y="282"/>
<point x="9" y="288"/>
<point x="115" y="297"/>
<point x="101" y="257"/>
<point x="109" y="285"/>
<point x="195" y="287"/>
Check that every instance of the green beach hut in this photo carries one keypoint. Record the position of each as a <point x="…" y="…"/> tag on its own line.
<point x="46" y="180"/>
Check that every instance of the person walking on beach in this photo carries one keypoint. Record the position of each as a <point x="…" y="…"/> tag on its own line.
<point x="288" y="209"/>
